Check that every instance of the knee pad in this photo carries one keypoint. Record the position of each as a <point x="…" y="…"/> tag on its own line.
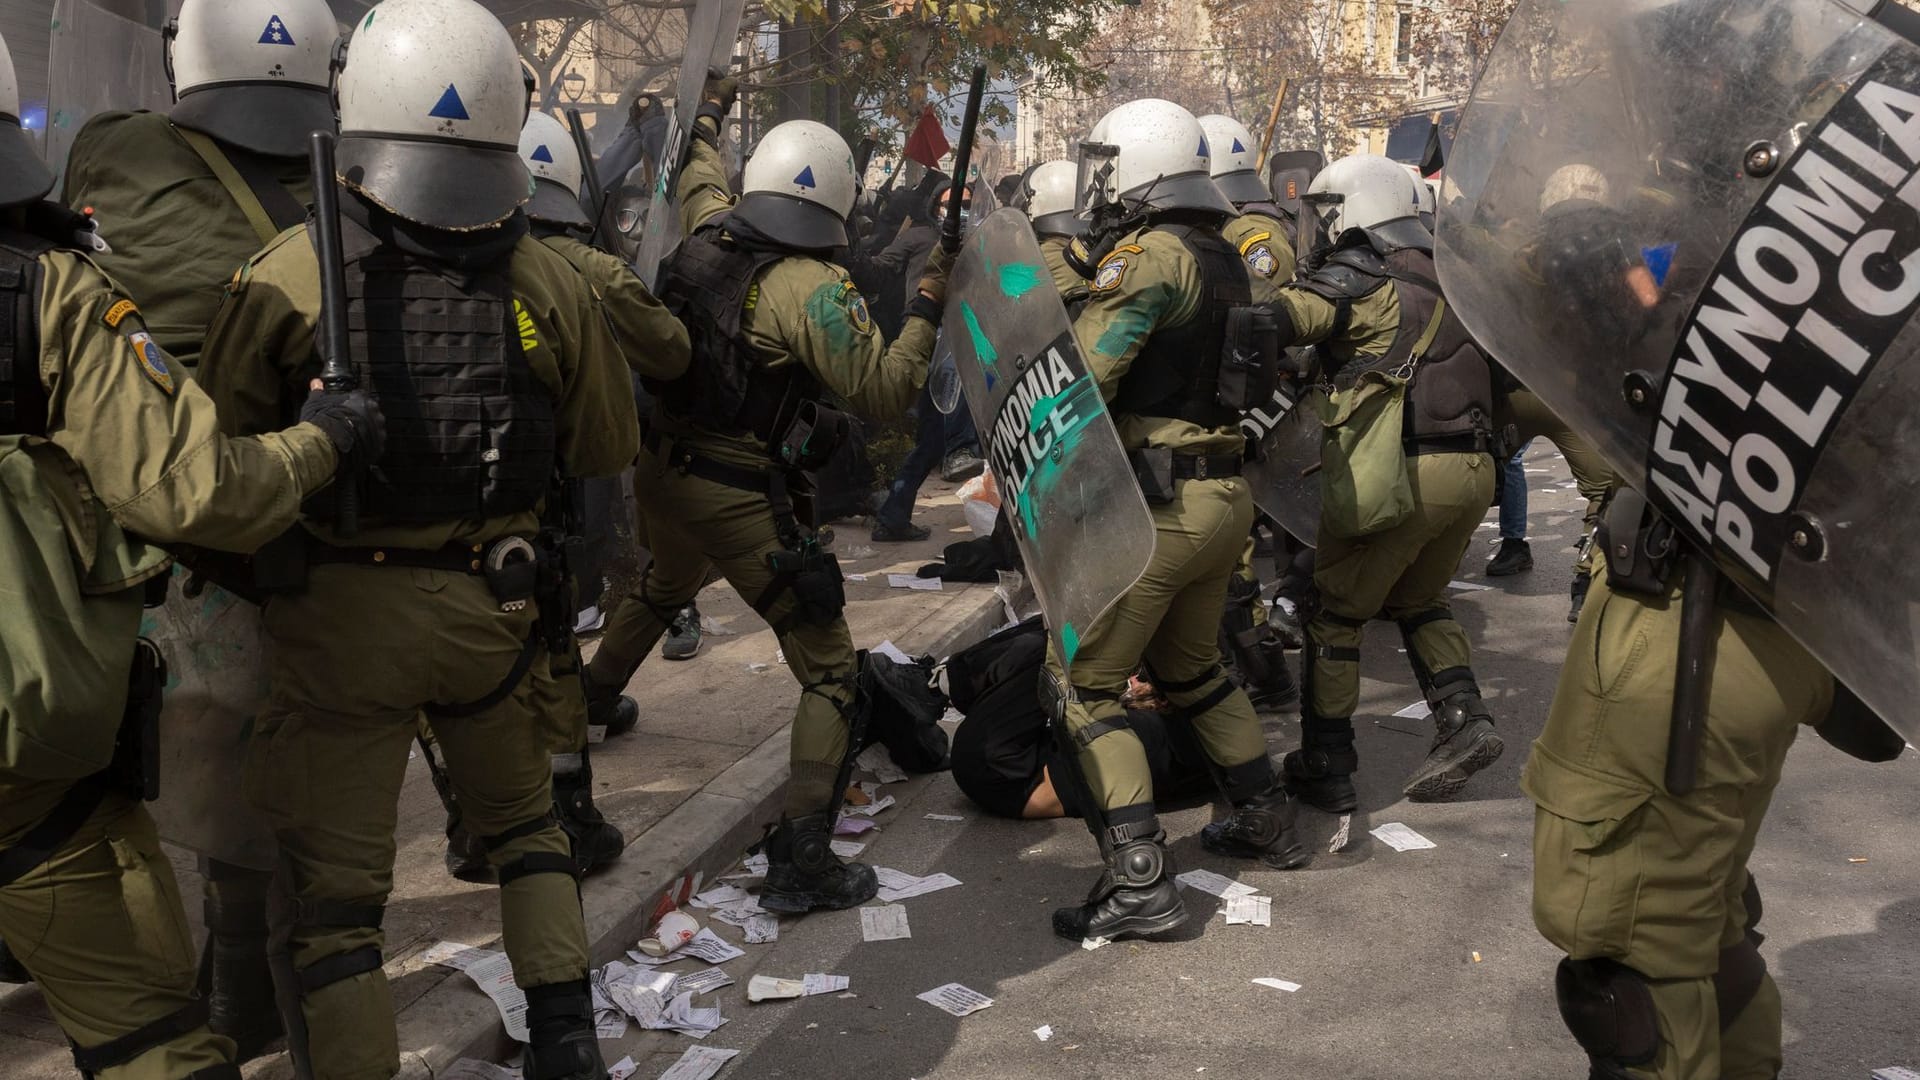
<point x="328" y="914"/>
<point x="1609" y="1009"/>
<point x="532" y="862"/>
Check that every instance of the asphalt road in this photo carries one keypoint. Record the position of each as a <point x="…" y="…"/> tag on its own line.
<point x="1410" y="964"/>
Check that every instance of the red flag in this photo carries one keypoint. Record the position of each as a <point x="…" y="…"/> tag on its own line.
<point x="928" y="143"/>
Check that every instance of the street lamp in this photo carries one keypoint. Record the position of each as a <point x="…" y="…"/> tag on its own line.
<point x="574" y="86"/>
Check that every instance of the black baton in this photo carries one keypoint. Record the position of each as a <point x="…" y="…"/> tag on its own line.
<point x="336" y="373"/>
<point x="962" y="160"/>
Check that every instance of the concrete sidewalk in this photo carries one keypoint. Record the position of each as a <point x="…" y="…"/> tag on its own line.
<point x="690" y="787"/>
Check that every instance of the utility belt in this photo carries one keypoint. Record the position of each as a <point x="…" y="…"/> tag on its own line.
<point x="1158" y="468"/>
<point x="1472" y="442"/>
<point x="134" y="770"/>
<point x="803" y="567"/>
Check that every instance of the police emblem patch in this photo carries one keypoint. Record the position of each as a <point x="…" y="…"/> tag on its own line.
<point x="153" y="362"/>
<point x="1261" y="259"/>
<point x="1110" y="274"/>
<point x="856" y="307"/>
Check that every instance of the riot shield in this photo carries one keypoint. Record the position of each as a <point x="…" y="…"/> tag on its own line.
<point x="1690" y="228"/>
<point x="98" y="61"/>
<point x="1065" y="481"/>
<point x="1284" y="466"/>
<point x="712" y="26"/>
<point x="216" y="686"/>
<point x="1289" y="173"/>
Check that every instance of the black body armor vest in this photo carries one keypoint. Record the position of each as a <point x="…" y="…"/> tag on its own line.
<point x="470" y="429"/>
<point x="707" y="285"/>
<point x="1177" y="372"/>
<point x="1450" y="399"/>
<point x="23" y="398"/>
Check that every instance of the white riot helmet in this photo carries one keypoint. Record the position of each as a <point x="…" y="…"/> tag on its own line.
<point x="1425" y="202"/>
<point x="432" y="96"/>
<point x="1236" y="159"/>
<point x="1048" y="198"/>
<point x="799" y="187"/>
<point x="1372" y="194"/>
<point x="1148" y="154"/>
<point x="253" y="73"/>
<point x="553" y="159"/>
<point x="1573" y="186"/>
<point x="23" y="176"/>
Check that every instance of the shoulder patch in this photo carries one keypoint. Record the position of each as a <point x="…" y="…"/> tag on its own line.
<point x="1261" y="261"/>
<point x="152" y="361"/>
<point x="1112" y="272"/>
<point x="1261" y="237"/>
<point x="856" y="306"/>
<point x="118" y="313"/>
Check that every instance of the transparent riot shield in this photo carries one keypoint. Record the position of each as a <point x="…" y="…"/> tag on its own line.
<point x="216" y="686"/>
<point x="98" y="62"/>
<point x="1690" y="227"/>
<point x="1284" y="467"/>
<point x="1065" y="481"/>
<point x="712" y="26"/>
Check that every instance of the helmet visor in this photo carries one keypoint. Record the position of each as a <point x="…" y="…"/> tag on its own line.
<point x="1093" y="186"/>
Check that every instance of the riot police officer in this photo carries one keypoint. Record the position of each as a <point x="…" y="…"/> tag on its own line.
<point x="1258" y="230"/>
<point x="1258" y="233"/>
<point x="1154" y="333"/>
<point x="184" y="198"/>
<point x="105" y="452"/>
<point x="1048" y="197"/>
<point x="1375" y="311"/>
<point x="775" y="325"/>
<point x="439" y="601"/>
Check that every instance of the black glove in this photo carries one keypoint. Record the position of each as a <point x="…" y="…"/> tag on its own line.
<point x="352" y="422"/>
<point x="721" y="89"/>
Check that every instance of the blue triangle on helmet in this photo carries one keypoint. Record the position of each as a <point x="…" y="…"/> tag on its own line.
<point x="1237" y="148"/>
<point x="541" y="153"/>
<point x="450" y="107"/>
<point x="1659" y="260"/>
<point x="805" y="179"/>
<point x="275" y="33"/>
<point x="1203" y="151"/>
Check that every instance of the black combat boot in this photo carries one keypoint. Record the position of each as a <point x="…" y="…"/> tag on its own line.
<point x="561" y="1044"/>
<point x="803" y="873"/>
<point x="240" y="1003"/>
<point x="1283" y="620"/>
<point x="1259" y="828"/>
<point x="1464" y="742"/>
<point x="1274" y="689"/>
<point x="1581" y="582"/>
<point x="595" y="842"/>
<point x="1320" y="773"/>
<point x="11" y="969"/>
<point x="1134" y="898"/>
<point x="609" y="708"/>
<point x="1514" y="557"/>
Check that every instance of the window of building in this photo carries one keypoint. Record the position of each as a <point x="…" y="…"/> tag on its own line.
<point x="1403" y="39"/>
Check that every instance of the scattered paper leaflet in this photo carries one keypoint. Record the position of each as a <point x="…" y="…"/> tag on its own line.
<point x="956" y="999"/>
<point x="492" y="972"/>
<point x="1401" y="838"/>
